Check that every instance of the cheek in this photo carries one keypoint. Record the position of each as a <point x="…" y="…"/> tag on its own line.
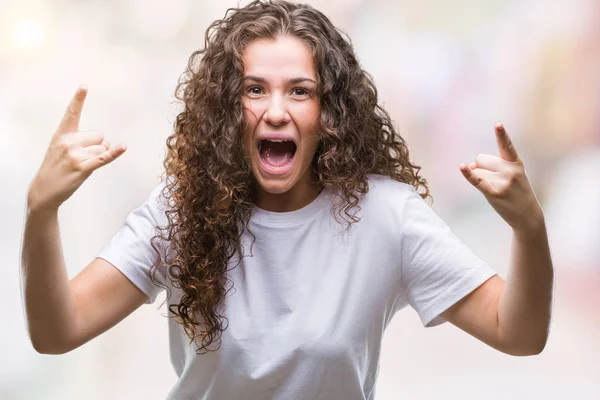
<point x="310" y="136"/>
<point x="247" y="141"/>
<point x="310" y="122"/>
<point x="307" y="117"/>
<point x="252" y="112"/>
<point x="251" y="122"/>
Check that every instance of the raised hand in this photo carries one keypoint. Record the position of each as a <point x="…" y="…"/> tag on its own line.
<point x="503" y="182"/>
<point x="71" y="158"/>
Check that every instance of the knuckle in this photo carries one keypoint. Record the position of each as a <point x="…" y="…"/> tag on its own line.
<point x="78" y="166"/>
<point x="70" y="111"/>
<point x="501" y="193"/>
<point x="515" y="177"/>
<point x="102" y="159"/>
<point x="62" y="145"/>
<point x="72" y="154"/>
<point x="518" y="165"/>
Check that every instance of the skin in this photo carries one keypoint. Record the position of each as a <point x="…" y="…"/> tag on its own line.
<point x="512" y="316"/>
<point x="280" y="106"/>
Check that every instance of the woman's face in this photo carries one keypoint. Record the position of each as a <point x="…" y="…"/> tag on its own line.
<point x="281" y="103"/>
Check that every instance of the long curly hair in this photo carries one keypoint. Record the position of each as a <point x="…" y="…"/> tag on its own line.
<point x="211" y="187"/>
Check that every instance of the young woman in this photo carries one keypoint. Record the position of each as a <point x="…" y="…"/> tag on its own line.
<point x="293" y="228"/>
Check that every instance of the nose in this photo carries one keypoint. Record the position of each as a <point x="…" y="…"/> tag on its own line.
<point x="276" y="112"/>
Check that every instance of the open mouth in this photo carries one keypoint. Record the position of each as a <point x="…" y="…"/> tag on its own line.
<point x="276" y="153"/>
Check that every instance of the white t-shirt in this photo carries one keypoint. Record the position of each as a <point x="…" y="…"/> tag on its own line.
<point x="308" y="309"/>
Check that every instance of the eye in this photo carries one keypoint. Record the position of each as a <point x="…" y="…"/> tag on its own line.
<point x="303" y="91"/>
<point x="254" y="87"/>
<point x="256" y="90"/>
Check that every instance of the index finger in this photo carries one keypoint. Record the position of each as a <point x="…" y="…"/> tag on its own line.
<point x="70" y="120"/>
<point x="505" y="145"/>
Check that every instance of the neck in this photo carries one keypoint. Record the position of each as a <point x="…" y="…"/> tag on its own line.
<point x="300" y="195"/>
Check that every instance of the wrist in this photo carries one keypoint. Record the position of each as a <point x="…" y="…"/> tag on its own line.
<point x="37" y="208"/>
<point x="532" y="226"/>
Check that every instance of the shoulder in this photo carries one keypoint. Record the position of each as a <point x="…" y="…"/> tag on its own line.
<point x="156" y="200"/>
<point x="385" y="187"/>
<point x="153" y="207"/>
<point x="387" y="197"/>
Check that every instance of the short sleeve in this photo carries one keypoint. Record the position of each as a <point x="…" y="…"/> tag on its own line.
<point x="438" y="269"/>
<point x="130" y="250"/>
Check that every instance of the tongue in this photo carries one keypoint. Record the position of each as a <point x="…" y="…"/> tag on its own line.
<point x="277" y="153"/>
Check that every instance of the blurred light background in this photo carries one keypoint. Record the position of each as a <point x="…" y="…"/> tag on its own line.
<point x="446" y="72"/>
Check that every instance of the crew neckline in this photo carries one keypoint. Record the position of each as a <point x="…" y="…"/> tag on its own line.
<point x="274" y="218"/>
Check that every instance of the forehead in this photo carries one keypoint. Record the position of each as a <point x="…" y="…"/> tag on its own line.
<point x="281" y="57"/>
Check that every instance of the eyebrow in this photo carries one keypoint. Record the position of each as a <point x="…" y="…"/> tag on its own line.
<point x="292" y="80"/>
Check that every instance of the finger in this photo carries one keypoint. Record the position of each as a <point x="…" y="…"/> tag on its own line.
<point x="476" y="179"/>
<point x="70" y="120"/>
<point x="489" y="162"/>
<point x="505" y="145"/>
<point x="91" y="151"/>
<point x="87" y="138"/>
<point x="103" y="158"/>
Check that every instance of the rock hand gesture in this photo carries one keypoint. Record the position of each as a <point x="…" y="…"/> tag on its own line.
<point x="71" y="158"/>
<point x="503" y="182"/>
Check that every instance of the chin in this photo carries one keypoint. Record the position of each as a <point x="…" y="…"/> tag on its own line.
<point x="276" y="186"/>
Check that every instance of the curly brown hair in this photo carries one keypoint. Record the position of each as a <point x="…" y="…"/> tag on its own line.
<point x="211" y="187"/>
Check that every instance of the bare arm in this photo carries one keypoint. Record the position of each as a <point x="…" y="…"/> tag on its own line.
<point x="49" y="303"/>
<point x="61" y="314"/>
<point x="525" y="306"/>
<point x="104" y="297"/>
<point x="512" y="316"/>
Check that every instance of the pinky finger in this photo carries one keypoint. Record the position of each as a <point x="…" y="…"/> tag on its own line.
<point x="103" y="158"/>
<point x="475" y="179"/>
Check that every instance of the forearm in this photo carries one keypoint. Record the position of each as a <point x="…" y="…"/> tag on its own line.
<point x="49" y="302"/>
<point x="525" y="306"/>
